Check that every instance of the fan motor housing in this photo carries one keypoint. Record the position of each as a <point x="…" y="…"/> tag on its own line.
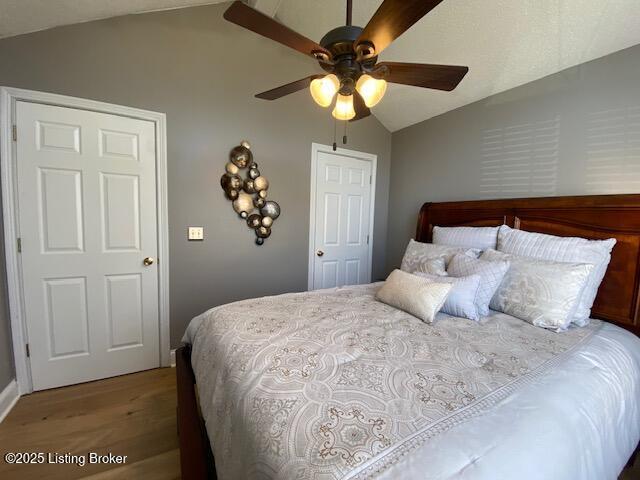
<point x="340" y="42"/>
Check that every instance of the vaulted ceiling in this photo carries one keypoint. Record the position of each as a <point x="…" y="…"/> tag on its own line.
<point x="505" y="43"/>
<point x="25" y="16"/>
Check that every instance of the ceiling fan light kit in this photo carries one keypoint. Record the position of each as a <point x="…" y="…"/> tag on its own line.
<point x="349" y="55"/>
<point x="324" y="89"/>
<point x="344" y="108"/>
<point x="370" y="89"/>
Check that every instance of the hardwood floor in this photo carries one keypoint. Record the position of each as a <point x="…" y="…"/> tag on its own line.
<point x="132" y="415"/>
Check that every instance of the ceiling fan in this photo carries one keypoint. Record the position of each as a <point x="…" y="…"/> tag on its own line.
<point x="349" y="55"/>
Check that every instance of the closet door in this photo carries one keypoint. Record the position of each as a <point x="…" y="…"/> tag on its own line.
<point x="343" y="203"/>
<point x="87" y="220"/>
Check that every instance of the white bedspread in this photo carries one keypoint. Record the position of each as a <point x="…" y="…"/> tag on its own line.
<point x="580" y="421"/>
<point x="457" y="400"/>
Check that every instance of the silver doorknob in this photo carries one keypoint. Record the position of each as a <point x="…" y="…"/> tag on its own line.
<point x="319" y="253"/>
<point x="148" y="261"/>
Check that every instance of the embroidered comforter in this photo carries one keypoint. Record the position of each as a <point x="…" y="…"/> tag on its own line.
<point x="333" y="384"/>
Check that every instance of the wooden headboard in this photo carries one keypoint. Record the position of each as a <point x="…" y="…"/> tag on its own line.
<point x="593" y="217"/>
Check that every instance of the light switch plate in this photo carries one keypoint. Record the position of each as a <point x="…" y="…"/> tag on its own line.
<point x="195" y="233"/>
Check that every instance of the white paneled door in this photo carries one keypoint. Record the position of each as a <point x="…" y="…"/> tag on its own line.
<point x="341" y="241"/>
<point x="87" y="221"/>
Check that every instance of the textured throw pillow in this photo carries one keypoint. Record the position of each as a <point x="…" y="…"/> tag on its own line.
<point x="470" y="237"/>
<point x="418" y="253"/>
<point x="563" y="249"/>
<point x="418" y="296"/>
<point x="491" y="273"/>
<point x="541" y="292"/>
<point x="434" y="266"/>
<point x="461" y="301"/>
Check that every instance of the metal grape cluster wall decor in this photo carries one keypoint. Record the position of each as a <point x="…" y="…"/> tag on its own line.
<point x="249" y="194"/>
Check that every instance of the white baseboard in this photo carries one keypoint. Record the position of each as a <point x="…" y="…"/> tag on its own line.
<point x="172" y="357"/>
<point x="8" y="398"/>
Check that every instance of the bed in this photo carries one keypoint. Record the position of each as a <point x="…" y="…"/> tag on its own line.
<point x="333" y="384"/>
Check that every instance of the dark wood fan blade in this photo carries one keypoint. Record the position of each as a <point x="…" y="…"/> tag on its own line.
<point x="361" y="109"/>
<point x="439" y="77"/>
<point x="392" y="19"/>
<point x="292" y="87"/>
<point x="262" y="24"/>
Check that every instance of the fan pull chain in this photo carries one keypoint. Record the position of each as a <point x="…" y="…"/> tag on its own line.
<point x="335" y="128"/>
<point x="344" y="137"/>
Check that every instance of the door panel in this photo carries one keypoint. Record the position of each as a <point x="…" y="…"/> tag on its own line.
<point x="57" y="136"/>
<point x="118" y="145"/>
<point x="343" y="202"/>
<point x="331" y="219"/>
<point x="354" y="220"/>
<point x="352" y="271"/>
<point x="60" y="193"/>
<point x="120" y="212"/>
<point x="356" y="177"/>
<point x="329" y="273"/>
<point x="66" y="313"/>
<point x="87" y="218"/>
<point x="124" y="310"/>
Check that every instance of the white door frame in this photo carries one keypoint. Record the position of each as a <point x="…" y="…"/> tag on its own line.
<point x="9" y="181"/>
<point x="368" y="157"/>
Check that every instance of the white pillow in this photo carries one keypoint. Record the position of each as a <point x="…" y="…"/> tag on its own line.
<point x="470" y="237"/>
<point x="491" y="273"/>
<point x="434" y="266"/>
<point x="461" y="301"/>
<point x="418" y="253"/>
<point x="541" y="292"/>
<point x="563" y="249"/>
<point x="418" y="296"/>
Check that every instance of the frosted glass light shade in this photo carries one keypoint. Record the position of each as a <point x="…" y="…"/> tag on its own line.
<point x="344" y="108"/>
<point x="371" y="90"/>
<point x="323" y="89"/>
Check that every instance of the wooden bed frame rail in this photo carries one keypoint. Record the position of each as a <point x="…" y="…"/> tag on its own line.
<point x="196" y="458"/>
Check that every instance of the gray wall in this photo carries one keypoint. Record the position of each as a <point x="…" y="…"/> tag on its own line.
<point x="576" y="132"/>
<point x="203" y="72"/>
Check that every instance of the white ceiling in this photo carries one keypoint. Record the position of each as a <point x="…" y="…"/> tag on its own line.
<point x="505" y="43"/>
<point x="25" y="16"/>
